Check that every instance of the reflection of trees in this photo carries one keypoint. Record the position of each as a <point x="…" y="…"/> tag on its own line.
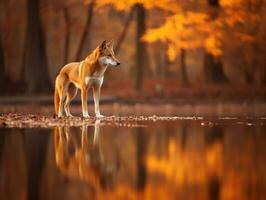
<point x="141" y="141"/>
<point x="216" y="162"/>
<point x="214" y="139"/>
<point x="214" y="188"/>
<point x="184" y="133"/>
<point x="22" y="159"/>
<point x="2" y="141"/>
<point x="83" y="159"/>
<point x="213" y="135"/>
<point x="36" y="147"/>
<point x="182" y="161"/>
<point x="13" y="165"/>
<point x="192" y="162"/>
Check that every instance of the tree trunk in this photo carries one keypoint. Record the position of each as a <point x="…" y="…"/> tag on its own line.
<point x="35" y="60"/>
<point x="159" y="62"/>
<point x="67" y="36"/>
<point x="213" y="66"/>
<point x="250" y="69"/>
<point x="141" y="55"/>
<point x="214" y="3"/>
<point x="125" y="29"/>
<point x="263" y="69"/>
<point x="263" y="61"/>
<point x="183" y="66"/>
<point x="263" y="78"/>
<point x="249" y="77"/>
<point x="2" y="70"/>
<point x="86" y="32"/>
<point x="213" y="69"/>
<point x="263" y="74"/>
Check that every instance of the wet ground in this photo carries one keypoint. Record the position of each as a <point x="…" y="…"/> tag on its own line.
<point x="132" y="157"/>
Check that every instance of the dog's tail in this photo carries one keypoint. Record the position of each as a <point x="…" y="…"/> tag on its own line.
<point x="56" y="101"/>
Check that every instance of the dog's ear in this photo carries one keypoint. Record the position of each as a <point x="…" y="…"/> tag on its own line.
<point x="111" y="43"/>
<point x="103" y="45"/>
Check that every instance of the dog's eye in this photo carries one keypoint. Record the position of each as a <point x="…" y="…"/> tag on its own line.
<point x="109" y="55"/>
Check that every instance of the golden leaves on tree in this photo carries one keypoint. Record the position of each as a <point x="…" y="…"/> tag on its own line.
<point x="188" y="27"/>
<point x="179" y="32"/>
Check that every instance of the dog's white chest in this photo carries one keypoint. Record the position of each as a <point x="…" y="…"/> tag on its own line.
<point x="93" y="81"/>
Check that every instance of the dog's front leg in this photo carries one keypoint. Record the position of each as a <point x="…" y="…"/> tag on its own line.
<point x="96" y="97"/>
<point x="84" y="94"/>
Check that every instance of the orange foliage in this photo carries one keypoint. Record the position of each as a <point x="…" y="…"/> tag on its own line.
<point x="127" y="4"/>
<point x="188" y="27"/>
<point x="230" y="3"/>
<point x="213" y="44"/>
<point x="179" y="32"/>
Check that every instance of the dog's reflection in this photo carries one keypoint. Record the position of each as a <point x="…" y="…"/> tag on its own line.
<point x="77" y="156"/>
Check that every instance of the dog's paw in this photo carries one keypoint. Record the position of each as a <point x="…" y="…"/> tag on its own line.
<point x="85" y="115"/>
<point x="99" y="116"/>
<point x="60" y="116"/>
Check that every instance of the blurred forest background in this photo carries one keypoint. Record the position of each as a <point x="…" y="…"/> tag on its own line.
<point x="163" y="46"/>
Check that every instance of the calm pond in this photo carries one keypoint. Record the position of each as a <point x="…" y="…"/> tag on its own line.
<point x="179" y="159"/>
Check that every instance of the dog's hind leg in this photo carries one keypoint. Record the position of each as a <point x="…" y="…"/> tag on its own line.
<point x="62" y="83"/>
<point x="71" y="93"/>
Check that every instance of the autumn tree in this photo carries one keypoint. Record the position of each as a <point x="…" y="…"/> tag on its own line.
<point x="212" y="65"/>
<point x="35" y="60"/>
<point x="186" y="29"/>
<point x="141" y="52"/>
<point x="251" y="29"/>
<point x="125" y="29"/>
<point x="12" y="34"/>
<point x="181" y="31"/>
<point x="67" y="36"/>
<point x="183" y="66"/>
<point x="2" y="69"/>
<point x="217" y="27"/>
<point x="140" y="8"/>
<point x="85" y="38"/>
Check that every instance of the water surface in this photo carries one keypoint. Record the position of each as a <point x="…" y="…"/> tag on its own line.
<point x="180" y="159"/>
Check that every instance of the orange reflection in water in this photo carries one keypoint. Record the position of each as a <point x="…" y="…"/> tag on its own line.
<point x="82" y="159"/>
<point x="196" y="164"/>
<point x="177" y="160"/>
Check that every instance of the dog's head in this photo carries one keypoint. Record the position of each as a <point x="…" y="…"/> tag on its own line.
<point x="107" y="56"/>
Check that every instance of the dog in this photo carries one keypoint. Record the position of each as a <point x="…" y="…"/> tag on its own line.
<point x="83" y="75"/>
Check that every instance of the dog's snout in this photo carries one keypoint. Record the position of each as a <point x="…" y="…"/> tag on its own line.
<point x="118" y="63"/>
